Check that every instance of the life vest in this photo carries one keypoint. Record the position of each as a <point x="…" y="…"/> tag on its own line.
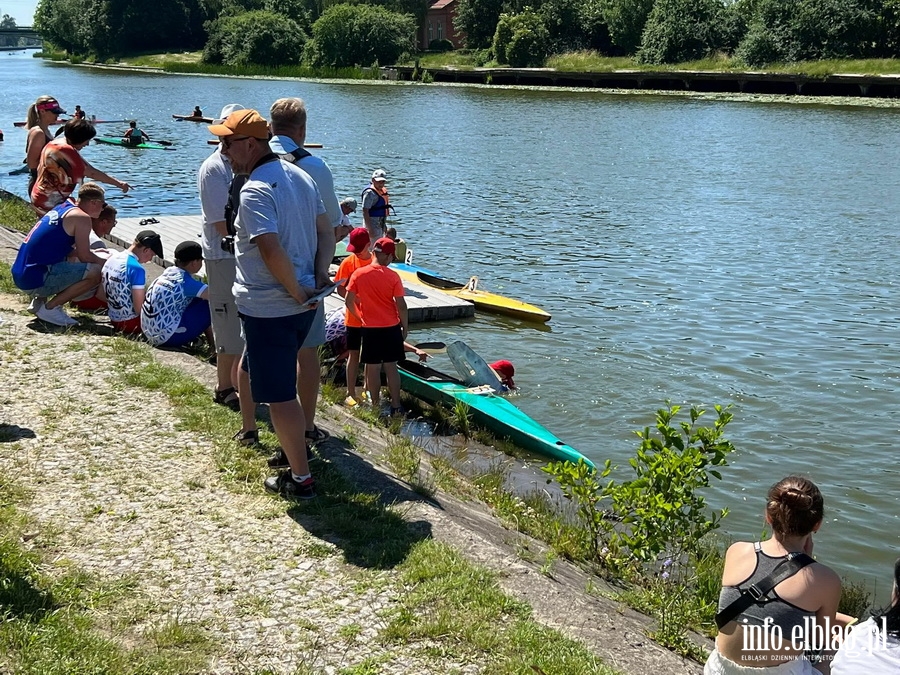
<point x="381" y="207"/>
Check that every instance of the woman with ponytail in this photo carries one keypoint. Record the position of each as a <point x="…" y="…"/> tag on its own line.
<point x="806" y="595"/>
<point x="41" y="114"/>
<point x="873" y="647"/>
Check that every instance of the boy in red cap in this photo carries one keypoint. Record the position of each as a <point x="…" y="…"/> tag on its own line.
<point x="359" y="257"/>
<point x="505" y="372"/>
<point x="375" y="297"/>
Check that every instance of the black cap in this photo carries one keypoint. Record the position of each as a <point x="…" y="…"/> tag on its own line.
<point x="188" y="251"/>
<point x="151" y="240"/>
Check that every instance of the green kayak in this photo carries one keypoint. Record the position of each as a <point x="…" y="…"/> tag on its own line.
<point x="108" y="140"/>
<point x="491" y="411"/>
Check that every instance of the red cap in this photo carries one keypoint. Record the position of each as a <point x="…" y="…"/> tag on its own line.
<point x="385" y="245"/>
<point x="506" y="370"/>
<point x="359" y="239"/>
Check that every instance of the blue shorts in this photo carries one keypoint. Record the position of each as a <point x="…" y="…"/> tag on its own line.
<point x="59" y="277"/>
<point x="271" y="356"/>
<point x="193" y="322"/>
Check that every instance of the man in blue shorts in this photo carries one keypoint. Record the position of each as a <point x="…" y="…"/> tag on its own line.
<point x="176" y="311"/>
<point x="41" y="266"/>
<point x="283" y="247"/>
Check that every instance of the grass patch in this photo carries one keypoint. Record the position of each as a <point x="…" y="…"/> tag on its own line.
<point x="272" y="71"/>
<point x="46" y="625"/>
<point x="16" y="213"/>
<point x="462" y="606"/>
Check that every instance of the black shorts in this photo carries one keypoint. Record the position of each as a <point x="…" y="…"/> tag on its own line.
<point x="354" y="338"/>
<point x="382" y="345"/>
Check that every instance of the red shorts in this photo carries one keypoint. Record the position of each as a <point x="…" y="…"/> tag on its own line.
<point x="92" y="304"/>
<point x="132" y="326"/>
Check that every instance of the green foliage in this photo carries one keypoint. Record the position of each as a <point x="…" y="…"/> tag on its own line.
<point x="625" y="21"/>
<point x="258" y="37"/>
<point x="758" y="48"/>
<point x="477" y="19"/>
<point x="7" y="22"/>
<point x="681" y="30"/>
<point x="105" y="28"/>
<point x="660" y="512"/>
<point x="521" y="40"/>
<point x="443" y="45"/>
<point x="361" y="35"/>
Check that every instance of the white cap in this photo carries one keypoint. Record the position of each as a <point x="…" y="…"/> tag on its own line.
<point x="226" y="111"/>
<point x="378" y="175"/>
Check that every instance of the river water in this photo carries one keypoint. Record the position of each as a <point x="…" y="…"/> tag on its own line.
<point x="702" y="251"/>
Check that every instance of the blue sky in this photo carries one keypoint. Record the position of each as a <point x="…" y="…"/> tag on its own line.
<point x="21" y="10"/>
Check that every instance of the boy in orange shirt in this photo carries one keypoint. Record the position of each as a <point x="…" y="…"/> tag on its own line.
<point x="360" y="256"/>
<point x="375" y="297"/>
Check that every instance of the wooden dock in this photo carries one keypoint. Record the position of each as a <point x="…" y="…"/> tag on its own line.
<point x="425" y="304"/>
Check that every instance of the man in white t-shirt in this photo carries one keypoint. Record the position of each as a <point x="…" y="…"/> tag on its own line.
<point x="213" y="182"/>
<point x="283" y="247"/>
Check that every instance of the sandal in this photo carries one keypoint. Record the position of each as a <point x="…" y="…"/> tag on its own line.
<point x="316" y="435"/>
<point x="247" y="438"/>
<point x="228" y="398"/>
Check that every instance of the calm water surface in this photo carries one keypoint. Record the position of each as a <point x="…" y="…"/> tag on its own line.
<point x="700" y="251"/>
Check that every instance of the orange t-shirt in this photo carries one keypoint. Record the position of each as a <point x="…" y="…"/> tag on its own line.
<point x="376" y="287"/>
<point x="59" y="172"/>
<point x="346" y="269"/>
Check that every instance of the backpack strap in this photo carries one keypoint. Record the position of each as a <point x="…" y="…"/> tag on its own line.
<point x="793" y="563"/>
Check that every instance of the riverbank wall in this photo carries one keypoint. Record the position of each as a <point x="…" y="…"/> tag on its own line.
<point x="785" y="84"/>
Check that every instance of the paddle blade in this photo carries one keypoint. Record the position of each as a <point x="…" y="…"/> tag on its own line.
<point x="432" y="347"/>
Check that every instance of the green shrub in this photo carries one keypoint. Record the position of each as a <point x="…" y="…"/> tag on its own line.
<point x="443" y="45"/>
<point x="681" y="30"/>
<point x="625" y="21"/>
<point x="259" y="37"/>
<point x="521" y="40"/>
<point x="758" y="48"/>
<point x="477" y="20"/>
<point x="359" y="35"/>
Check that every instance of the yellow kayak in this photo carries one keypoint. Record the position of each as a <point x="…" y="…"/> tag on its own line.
<point x="483" y="300"/>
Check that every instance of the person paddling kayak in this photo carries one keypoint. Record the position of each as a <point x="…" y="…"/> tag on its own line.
<point x="135" y="136"/>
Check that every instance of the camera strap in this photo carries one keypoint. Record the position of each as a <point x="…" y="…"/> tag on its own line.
<point x="234" y="192"/>
<point x="793" y="563"/>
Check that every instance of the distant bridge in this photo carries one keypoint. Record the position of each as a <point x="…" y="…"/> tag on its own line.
<point x="21" y="36"/>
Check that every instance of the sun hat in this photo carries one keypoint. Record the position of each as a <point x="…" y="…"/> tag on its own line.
<point x="379" y="175"/>
<point x="226" y="111"/>
<point x="243" y="123"/>
<point x="151" y="240"/>
<point x="188" y="251"/>
<point x="52" y="105"/>
<point x="359" y="239"/>
<point x="385" y="245"/>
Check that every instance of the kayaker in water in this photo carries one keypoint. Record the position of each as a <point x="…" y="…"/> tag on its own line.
<point x="79" y="113"/>
<point x="135" y="136"/>
<point x="505" y="371"/>
<point x="197" y="112"/>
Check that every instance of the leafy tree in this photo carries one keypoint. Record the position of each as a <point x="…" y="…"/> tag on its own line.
<point x="521" y="40"/>
<point x="258" y="37"/>
<point x="359" y="35"/>
<point x="593" y="26"/>
<point x="477" y="19"/>
<point x="681" y="30"/>
<point x="625" y="20"/>
<point x="7" y="22"/>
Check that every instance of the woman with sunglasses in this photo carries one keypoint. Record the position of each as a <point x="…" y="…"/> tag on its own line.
<point x="41" y="114"/>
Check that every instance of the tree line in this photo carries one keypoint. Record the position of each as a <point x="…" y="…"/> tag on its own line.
<point x="755" y="32"/>
<point x="515" y="32"/>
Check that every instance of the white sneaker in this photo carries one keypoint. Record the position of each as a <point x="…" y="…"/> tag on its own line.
<point x="57" y="316"/>
<point x="36" y="302"/>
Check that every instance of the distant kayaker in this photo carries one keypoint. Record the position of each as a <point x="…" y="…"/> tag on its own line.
<point x="79" y="113"/>
<point x="375" y="205"/>
<point x="197" y="112"/>
<point x="134" y="135"/>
